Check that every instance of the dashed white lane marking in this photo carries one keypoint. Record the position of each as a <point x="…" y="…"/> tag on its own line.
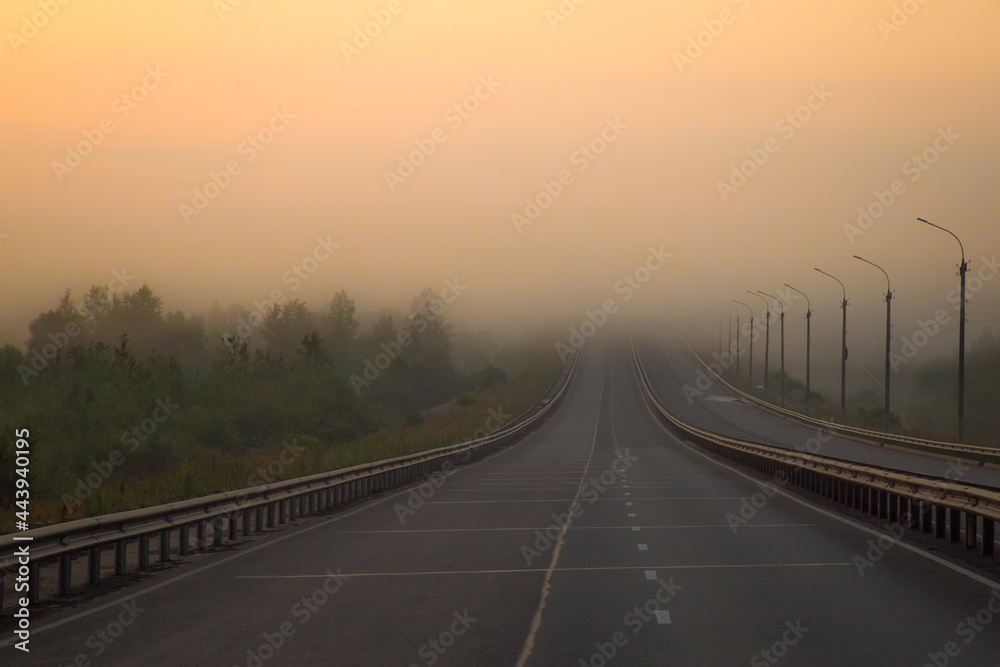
<point x="475" y="529"/>
<point x="569" y="500"/>
<point x="536" y="571"/>
<point x="635" y="529"/>
<point x="643" y="547"/>
<point x="662" y="616"/>
<point x="628" y="504"/>
<point x="650" y="575"/>
<point x="631" y="515"/>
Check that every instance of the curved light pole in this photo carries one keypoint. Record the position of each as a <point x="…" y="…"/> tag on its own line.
<point x="962" y="269"/>
<point x="729" y="359"/>
<point x="782" y="343"/>
<point x="750" y="373"/>
<point x="888" y="334"/>
<point x="809" y="313"/>
<point x="767" y="335"/>
<point x="843" y="350"/>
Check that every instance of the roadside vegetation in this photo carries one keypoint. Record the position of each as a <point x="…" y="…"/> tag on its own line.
<point x="129" y="406"/>
<point x="926" y="396"/>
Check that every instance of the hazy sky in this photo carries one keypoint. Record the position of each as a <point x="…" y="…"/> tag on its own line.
<point x="833" y="98"/>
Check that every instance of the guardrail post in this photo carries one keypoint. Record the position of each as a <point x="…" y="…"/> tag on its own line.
<point x="955" y="523"/>
<point x="893" y="508"/>
<point x="926" y="516"/>
<point x="120" y="554"/>
<point x="65" y="574"/>
<point x="271" y="509"/>
<point x="217" y="531"/>
<point x="200" y="531"/>
<point x="258" y="519"/>
<point x="144" y="552"/>
<point x="94" y="563"/>
<point x="293" y="507"/>
<point x="970" y="530"/>
<point x="245" y="516"/>
<point x="164" y="546"/>
<point x="281" y="511"/>
<point x="989" y="537"/>
<point x="940" y="518"/>
<point x="182" y="549"/>
<point x="34" y="582"/>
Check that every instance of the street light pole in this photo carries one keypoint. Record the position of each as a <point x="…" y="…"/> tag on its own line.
<point x="782" y="344"/>
<point x="888" y="334"/>
<point x="750" y="373"/>
<point x="962" y="269"/>
<point x="809" y="313"/>
<point x="767" y="335"/>
<point x="843" y="351"/>
<point x="731" y="337"/>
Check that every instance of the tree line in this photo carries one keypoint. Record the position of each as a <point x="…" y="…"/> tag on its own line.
<point x="116" y="379"/>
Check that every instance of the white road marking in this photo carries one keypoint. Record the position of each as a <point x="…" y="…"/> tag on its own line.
<point x="537" y="570"/>
<point x="842" y="519"/>
<point x="536" y="621"/>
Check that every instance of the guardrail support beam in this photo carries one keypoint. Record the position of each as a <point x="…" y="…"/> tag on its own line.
<point x="970" y="530"/>
<point x="940" y="519"/>
<point x="94" y="566"/>
<point x="65" y="574"/>
<point x="120" y="554"/>
<point x="144" y="552"/>
<point x="34" y="581"/>
<point x="926" y="517"/>
<point x="165" y="546"/>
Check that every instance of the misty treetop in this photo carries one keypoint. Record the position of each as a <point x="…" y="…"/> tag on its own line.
<point x="95" y="375"/>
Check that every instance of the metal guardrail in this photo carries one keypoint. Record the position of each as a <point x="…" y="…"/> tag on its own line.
<point x="245" y="510"/>
<point x="867" y="434"/>
<point x="931" y="504"/>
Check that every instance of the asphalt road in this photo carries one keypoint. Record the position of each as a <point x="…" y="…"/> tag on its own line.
<point x="485" y="569"/>
<point x="679" y="379"/>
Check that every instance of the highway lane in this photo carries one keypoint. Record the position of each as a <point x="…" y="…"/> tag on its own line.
<point x="485" y="569"/>
<point x="679" y="380"/>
